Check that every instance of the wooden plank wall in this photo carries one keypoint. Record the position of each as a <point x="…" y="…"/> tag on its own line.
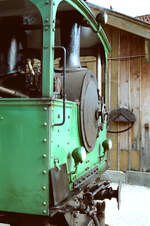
<point x="112" y="90"/>
<point x="145" y="115"/>
<point x="129" y="74"/>
<point x="129" y="87"/>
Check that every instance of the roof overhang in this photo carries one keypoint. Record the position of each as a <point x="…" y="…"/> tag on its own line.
<point x="124" y="22"/>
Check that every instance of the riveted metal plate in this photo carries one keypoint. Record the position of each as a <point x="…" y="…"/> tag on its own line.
<point x="23" y="186"/>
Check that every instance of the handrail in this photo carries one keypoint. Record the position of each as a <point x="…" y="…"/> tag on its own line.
<point x="64" y="85"/>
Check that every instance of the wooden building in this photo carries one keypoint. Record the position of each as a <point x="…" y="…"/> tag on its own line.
<point x="129" y="88"/>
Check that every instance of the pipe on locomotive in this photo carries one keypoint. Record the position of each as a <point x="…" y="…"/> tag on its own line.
<point x="12" y="92"/>
<point x="99" y="72"/>
<point x="71" y="40"/>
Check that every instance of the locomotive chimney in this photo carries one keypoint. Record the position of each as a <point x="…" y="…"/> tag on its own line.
<point x="70" y="36"/>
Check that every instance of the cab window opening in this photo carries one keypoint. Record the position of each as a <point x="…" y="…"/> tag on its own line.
<point x="20" y="51"/>
<point x="83" y="49"/>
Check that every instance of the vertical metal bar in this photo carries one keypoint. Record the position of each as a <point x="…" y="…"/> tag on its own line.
<point x="64" y="85"/>
<point x="109" y="103"/>
<point x="146" y="147"/>
<point x="129" y="132"/>
<point x="118" y="77"/>
<point x="129" y="151"/>
<point x="140" y="127"/>
<point x="109" y="87"/>
<point x="99" y="71"/>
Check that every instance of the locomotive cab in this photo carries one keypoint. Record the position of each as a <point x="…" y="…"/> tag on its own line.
<point x="20" y="50"/>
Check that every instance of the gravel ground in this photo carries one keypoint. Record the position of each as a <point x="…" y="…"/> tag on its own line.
<point x="134" y="210"/>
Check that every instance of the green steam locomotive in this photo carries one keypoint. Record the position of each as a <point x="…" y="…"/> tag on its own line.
<point x="53" y="145"/>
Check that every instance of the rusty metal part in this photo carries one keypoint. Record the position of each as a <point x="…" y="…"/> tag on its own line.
<point x="12" y="92"/>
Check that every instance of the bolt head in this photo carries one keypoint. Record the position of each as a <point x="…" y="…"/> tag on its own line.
<point x="44" y="172"/>
<point x="47" y="2"/>
<point x="44" y="140"/>
<point x="43" y="188"/>
<point x="44" y="211"/>
<point x="44" y="203"/>
<point x="44" y="156"/>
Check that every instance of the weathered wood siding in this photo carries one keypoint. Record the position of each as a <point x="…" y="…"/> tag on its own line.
<point x="129" y="83"/>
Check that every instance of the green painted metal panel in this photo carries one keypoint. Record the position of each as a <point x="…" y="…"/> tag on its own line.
<point x="46" y="10"/>
<point x="28" y="146"/>
<point x="66" y="138"/>
<point x="25" y="156"/>
<point x="24" y="138"/>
